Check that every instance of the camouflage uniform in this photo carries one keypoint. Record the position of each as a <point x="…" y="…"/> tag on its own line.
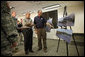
<point x="8" y="30"/>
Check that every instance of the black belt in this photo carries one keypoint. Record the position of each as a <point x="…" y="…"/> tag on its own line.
<point x="27" y="28"/>
<point x="41" y="28"/>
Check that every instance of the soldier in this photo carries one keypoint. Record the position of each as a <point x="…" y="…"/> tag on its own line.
<point x="8" y="31"/>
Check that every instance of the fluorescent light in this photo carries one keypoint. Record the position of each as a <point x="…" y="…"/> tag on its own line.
<point x="51" y="6"/>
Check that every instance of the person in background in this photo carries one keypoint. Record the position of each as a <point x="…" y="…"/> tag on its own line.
<point x="14" y="18"/>
<point x="13" y="15"/>
<point x="19" y="25"/>
<point x="21" y="21"/>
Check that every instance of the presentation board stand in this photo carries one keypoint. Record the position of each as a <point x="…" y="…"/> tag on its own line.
<point x="67" y="44"/>
<point x="65" y="14"/>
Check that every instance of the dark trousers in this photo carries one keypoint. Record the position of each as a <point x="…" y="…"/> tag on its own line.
<point x="28" y="35"/>
<point x="41" y="33"/>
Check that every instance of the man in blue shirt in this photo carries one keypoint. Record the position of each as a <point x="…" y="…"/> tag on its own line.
<point x="40" y="24"/>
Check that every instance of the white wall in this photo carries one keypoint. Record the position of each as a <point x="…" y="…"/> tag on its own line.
<point x="31" y="16"/>
<point x="79" y="20"/>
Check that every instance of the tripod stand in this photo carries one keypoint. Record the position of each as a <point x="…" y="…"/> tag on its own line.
<point x="67" y="43"/>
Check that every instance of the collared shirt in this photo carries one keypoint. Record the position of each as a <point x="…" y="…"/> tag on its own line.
<point x="26" y="21"/>
<point x="39" y="22"/>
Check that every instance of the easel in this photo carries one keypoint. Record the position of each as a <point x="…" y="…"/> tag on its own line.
<point x="67" y="43"/>
<point x="65" y="13"/>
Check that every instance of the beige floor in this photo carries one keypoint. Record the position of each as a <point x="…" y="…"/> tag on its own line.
<point x="52" y="47"/>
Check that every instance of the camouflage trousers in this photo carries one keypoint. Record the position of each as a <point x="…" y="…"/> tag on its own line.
<point x="6" y="51"/>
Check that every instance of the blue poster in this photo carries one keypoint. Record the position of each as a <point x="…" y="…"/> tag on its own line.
<point x="67" y="20"/>
<point x="65" y="34"/>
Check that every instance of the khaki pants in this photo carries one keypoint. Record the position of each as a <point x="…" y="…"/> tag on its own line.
<point x="41" y="33"/>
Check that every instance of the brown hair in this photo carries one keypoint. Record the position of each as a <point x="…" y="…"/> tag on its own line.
<point x="39" y="10"/>
<point x="28" y="13"/>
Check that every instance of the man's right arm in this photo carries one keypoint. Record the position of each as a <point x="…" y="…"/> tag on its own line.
<point x="35" y="23"/>
<point x="30" y="24"/>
